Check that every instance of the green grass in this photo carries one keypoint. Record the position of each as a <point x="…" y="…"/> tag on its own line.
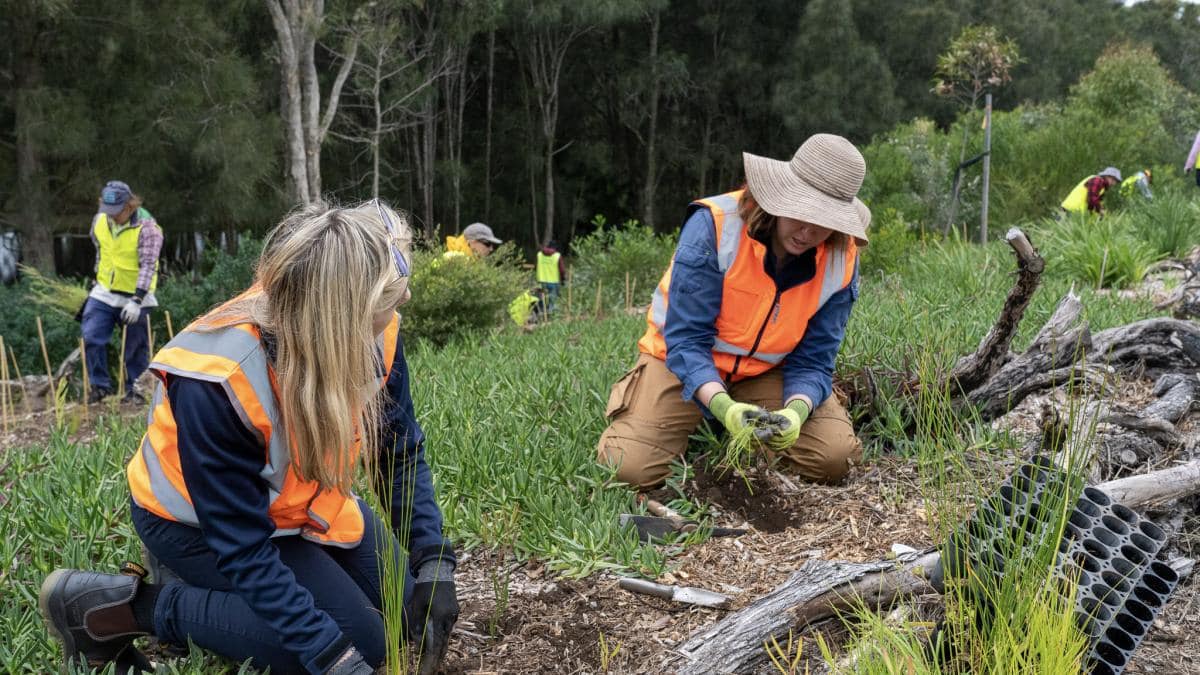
<point x="512" y="421"/>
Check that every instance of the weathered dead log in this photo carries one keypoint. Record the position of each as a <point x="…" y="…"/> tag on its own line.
<point x="974" y="369"/>
<point x="819" y="589"/>
<point x="1047" y="362"/>
<point x="1173" y="344"/>
<point x="1177" y="395"/>
<point x="1157" y="486"/>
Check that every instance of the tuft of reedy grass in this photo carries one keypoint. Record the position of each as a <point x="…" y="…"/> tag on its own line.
<point x="1169" y="223"/>
<point x="1100" y="252"/>
<point x="1021" y="622"/>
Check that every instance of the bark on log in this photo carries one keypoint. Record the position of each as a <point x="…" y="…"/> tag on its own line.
<point x="974" y="369"/>
<point x="1173" y="344"/>
<point x="820" y="588"/>
<point x="1155" y="487"/>
<point x="1059" y="343"/>
<point x="1177" y="394"/>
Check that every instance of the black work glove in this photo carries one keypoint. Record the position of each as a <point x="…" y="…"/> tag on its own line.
<point x="432" y="612"/>
<point x="340" y="658"/>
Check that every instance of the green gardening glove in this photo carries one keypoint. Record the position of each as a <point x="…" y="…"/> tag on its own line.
<point x="796" y="413"/>
<point x="734" y="415"/>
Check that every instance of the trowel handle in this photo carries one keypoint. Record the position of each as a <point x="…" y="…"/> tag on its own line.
<point x="646" y="587"/>
<point x="662" y="510"/>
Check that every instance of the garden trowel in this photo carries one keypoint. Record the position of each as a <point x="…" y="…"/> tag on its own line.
<point x="666" y="521"/>
<point x="686" y="594"/>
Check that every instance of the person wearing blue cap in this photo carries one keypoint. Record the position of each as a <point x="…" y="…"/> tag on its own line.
<point x="128" y="241"/>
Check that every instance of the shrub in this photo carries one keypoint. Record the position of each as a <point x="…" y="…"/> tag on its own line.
<point x="455" y="296"/>
<point x="893" y="243"/>
<point x="909" y="171"/>
<point x="1097" y="251"/>
<point x="606" y="255"/>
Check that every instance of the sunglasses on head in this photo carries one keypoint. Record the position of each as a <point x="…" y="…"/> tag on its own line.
<point x="401" y="262"/>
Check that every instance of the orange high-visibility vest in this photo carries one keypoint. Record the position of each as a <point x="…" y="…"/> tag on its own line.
<point x="758" y="326"/>
<point x="234" y="356"/>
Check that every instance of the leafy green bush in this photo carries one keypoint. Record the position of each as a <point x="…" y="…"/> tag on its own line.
<point x="1097" y="251"/>
<point x="457" y="295"/>
<point x="893" y="242"/>
<point x="909" y="171"/>
<point x="604" y="257"/>
<point x="1169" y="223"/>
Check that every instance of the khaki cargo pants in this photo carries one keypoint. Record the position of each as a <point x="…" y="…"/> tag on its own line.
<point x="649" y="425"/>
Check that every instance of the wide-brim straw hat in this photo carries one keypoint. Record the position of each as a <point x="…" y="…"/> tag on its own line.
<point x="818" y="185"/>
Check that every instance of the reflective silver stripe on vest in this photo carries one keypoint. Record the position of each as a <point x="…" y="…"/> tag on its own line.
<point x="835" y="271"/>
<point x="724" y="347"/>
<point x="170" y="498"/>
<point x="164" y="491"/>
<point x="731" y="230"/>
<point x="245" y="349"/>
<point x="658" y="308"/>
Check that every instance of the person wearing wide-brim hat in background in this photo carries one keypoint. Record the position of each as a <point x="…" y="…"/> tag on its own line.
<point x="749" y="318"/>
<point x="128" y="241"/>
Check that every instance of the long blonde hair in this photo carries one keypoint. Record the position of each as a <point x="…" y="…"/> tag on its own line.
<point x="323" y="274"/>
<point x="761" y="225"/>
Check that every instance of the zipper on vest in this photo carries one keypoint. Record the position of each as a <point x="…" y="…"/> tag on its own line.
<point x="771" y="317"/>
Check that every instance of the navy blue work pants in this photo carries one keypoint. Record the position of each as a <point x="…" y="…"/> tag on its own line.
<point x="345" y="583"/>
<point x="97" y="324"/>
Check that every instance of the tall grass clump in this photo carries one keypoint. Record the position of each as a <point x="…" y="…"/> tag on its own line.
<point x="1018" y="619"/>
<point x="1099" y="252"/>
<point x="611" y="254"/>
<point x="1169" y="223"/>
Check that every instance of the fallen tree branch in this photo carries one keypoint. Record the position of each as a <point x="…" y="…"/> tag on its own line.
<point x="974" y="369"/>
<point x="820" y="589"/>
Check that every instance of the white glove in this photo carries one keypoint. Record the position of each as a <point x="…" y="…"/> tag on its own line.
<point x="132" y="311"/>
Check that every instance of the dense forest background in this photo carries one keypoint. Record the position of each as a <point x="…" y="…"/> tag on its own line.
<point x="530" y="115"/>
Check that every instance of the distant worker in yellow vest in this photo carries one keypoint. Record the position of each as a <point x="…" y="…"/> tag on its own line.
<point x="550" y="273"/>
<point x="749" y="318"/>
<point x="1088" y="196"/>
<point x="128" y="241"/>
<point x="476" y="241"/>
<point x="1139" y="181"/>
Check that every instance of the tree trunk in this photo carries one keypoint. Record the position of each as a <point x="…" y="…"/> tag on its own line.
<point x="32" y="191"/>
<point x="310" y="88"/>
<point x="487" y="145"/>
<point x="291" y="100"/>
<point x="297" y="24"/>
<point x="377" y="132"/>
<point x="649" y="187"/>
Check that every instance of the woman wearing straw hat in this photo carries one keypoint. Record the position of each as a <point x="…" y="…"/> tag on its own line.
<point x="748" y="318"/>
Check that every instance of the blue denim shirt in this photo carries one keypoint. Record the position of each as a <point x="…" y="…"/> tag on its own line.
<point x="221" y="460"/>
<point x="694" y="302"/>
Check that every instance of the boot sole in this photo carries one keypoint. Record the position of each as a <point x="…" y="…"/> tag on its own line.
<point x="63" y="634"/>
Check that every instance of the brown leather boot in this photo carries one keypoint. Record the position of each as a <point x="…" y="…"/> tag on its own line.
<point x="90" y="614"/>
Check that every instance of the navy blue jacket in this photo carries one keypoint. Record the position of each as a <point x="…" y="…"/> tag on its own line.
<point x="221" y="460"/>
<point x="694" y="302"/>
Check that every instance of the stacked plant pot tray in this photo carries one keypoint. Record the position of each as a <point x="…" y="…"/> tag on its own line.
<point x="1106" y="550"/>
